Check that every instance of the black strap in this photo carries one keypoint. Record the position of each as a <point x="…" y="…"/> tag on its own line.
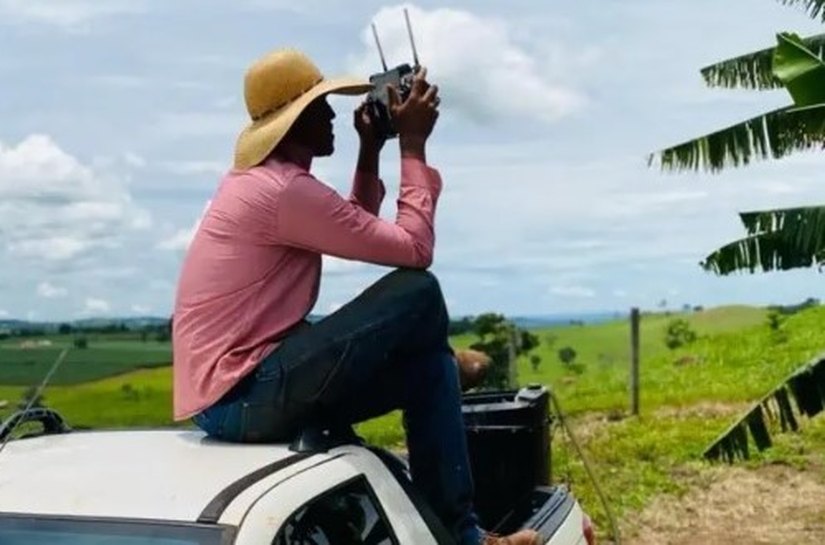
<point x="212" y="512"/>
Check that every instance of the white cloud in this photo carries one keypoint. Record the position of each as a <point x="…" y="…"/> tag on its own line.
<point x="96" y="306"/>
<point x="619" y="293"/>
<point x="141" y="309"/>
<point x="573" y="291"/>
<point x="134" y="160"/>
<point x="480" y="67"/>
<point x="181" y="238"/>
<point x="52" y="207"/>
<point x="185" y="168"/>
<point x="65" y="13"/>
<point x="4" y="313"/>
<point x="49" y="291"/>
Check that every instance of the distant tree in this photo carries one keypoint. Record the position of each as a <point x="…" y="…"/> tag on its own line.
<point x="679" y="333"/>
<point x="499" y="339"/>
<point x="64" y="329"/>
<point x="144" y="335"/>
<point x="81" y="342"/>
<point x="686" y="308"/>
<point x="163" y="337"/>
<point x="567" y="355"/>
<point x="698" y="308"/>
<point x="459" y="327"/>
<point x="489" y="324"/>
<point x="535" y="361"/>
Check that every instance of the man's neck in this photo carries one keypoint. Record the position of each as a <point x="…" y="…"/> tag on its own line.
<point x="294" y="153"/>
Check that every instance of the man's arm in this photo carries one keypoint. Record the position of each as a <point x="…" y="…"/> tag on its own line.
<point x="367" y="188"/>
<point x="313" y="216"/>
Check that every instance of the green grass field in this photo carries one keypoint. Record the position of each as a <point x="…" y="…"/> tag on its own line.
<point x="688" y="397"/>
<point x="105" y="356"/>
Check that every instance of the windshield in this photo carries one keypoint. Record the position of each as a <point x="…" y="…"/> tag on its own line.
<point x="22" y="530"/>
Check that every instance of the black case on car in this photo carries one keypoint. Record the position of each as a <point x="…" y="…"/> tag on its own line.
<point x="508" y="436"/>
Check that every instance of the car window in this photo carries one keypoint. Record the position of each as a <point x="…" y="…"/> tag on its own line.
<point x="348" y="515"/>
<point x="22" y="530"/>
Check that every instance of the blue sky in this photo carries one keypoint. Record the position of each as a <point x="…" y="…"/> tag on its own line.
<point x="119" y="117"/>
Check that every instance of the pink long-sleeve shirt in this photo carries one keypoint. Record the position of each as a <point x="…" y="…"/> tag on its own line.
<point x="253" y="269"/>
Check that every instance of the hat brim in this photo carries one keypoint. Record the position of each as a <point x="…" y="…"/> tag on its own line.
<point x="260" y="137"/>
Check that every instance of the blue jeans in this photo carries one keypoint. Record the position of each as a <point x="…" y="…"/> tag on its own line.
<point x="387" y="349"/>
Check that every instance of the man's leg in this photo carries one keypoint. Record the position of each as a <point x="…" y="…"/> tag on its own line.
<point x="386" y="349"/>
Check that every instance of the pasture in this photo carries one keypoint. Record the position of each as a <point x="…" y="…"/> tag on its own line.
<point x="688" y="397"/>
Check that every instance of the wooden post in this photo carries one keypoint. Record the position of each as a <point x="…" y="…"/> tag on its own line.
<point x="634" y="361"/>
<point x="512" y="379"/>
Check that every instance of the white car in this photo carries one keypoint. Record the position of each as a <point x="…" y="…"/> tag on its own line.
<point x="178" y="487"/>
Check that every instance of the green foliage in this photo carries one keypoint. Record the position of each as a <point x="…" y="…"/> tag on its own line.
<point x="535" y="361"/>
<point x="679" y="334"/>
<point x="567" y="355"/>
<point x="81" y="342"/>
<point x="499" y="338"/>
<point x="777" y="240"/>
<point x="806" y="386"/>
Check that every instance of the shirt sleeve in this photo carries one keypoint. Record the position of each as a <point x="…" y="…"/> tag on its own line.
<point x="367" y="192"/>
<point x="315" y="217"/>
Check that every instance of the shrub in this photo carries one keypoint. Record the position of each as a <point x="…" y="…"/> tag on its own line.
<point x="679" y="334"/>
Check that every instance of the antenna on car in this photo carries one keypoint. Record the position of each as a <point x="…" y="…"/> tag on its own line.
<point x="35" y="396"/>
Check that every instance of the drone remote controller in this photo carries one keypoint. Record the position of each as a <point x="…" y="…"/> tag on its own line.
<point x="400" y="77"/>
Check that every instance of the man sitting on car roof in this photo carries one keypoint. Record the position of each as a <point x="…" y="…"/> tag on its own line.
<point x="248" y="367"/>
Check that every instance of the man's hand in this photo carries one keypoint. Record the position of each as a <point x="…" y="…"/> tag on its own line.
<point x="415" y="117"/>
<point x="371" y="140"/>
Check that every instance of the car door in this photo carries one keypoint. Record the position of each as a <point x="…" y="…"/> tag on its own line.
<point x="349" y="500"/>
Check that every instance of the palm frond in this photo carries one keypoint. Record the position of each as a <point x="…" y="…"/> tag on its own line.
<point x="806" y="385"/>
<point x="815" y="8"/>
<point x="800" y="70"/>
<point x="772" y="135"/>
<point x="754" y="70"/>
<point x="777" y="240"/>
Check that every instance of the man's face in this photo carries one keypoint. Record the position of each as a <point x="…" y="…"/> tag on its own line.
<point x="313" y="129"/>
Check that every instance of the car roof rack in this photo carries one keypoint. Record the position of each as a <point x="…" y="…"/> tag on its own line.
<point x="52" y="422"/>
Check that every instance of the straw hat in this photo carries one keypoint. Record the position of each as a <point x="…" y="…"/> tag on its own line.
<point x="277" y="88"/>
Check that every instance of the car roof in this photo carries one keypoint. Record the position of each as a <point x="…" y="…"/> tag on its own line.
<point x="153" y="474"/>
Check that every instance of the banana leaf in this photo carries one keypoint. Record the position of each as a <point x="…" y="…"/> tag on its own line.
<point x="775" y="134"/>
<point x="754" y="70"/>
<point x="815" y="8"/>
<point x="800" y="70"/>
<point x="781" y="239"/>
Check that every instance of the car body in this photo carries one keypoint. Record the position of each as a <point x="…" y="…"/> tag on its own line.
<point x="179" y="487"/>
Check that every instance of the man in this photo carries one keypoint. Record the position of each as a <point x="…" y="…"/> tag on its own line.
<point x="247" y="366"/>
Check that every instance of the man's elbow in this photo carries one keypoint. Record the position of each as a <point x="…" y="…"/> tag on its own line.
<point x="423" y="257"/>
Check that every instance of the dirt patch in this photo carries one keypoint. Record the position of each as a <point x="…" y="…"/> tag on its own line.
<point x="772" y="505"/>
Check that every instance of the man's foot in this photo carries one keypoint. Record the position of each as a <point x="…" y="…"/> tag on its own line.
<point x="524" y="537"/>
<point x="472" y="367"/>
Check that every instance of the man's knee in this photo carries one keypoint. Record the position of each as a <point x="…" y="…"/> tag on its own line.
<point x="420" y="281"/>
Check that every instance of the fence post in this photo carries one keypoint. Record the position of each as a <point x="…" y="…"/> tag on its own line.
<point x="634" y="361"/>
<point x="512" y="378"/>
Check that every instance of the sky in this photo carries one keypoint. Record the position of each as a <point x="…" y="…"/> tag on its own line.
<point x="119" y="117"/>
